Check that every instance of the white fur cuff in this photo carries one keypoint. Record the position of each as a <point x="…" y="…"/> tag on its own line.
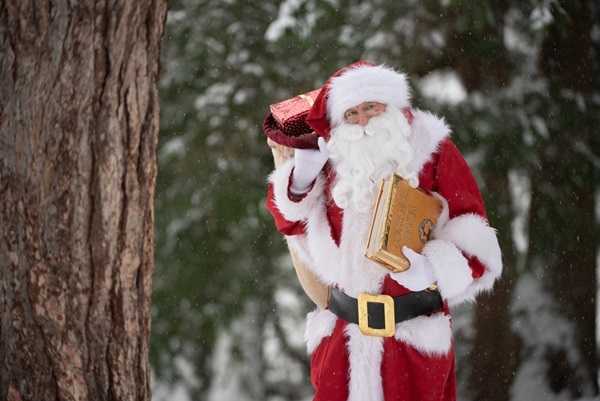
<point x="450" y="268"/>
<point x="472" y="235"/>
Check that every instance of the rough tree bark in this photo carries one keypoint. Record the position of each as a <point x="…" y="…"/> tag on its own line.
<point x="495" y="347"/>
<point x="78" y="131"/>
<point x="566" y="61"/>
<point x="483" y="65"/>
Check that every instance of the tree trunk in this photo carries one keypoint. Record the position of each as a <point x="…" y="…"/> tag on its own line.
<point x="565" y="60"/>
<point x="78" y="131"/>
<point x="481" y="59"/>
<point x="495" y="347"/>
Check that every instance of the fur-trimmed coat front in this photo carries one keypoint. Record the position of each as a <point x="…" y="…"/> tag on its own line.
<point x="418" y="362"/>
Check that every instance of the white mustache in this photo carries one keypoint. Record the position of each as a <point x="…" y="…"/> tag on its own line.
<point x="354" y="132"/>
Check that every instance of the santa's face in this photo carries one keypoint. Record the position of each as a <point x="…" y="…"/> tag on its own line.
<point x="364" y="154"/>
<point x="363" y="113"/>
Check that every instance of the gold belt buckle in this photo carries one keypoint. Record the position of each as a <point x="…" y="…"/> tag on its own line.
<point x="388" y="310"/>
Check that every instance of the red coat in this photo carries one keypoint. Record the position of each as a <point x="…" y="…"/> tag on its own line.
<point x="418" y="362"/>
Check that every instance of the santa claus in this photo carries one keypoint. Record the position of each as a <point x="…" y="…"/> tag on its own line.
<point x="323" y="200"/>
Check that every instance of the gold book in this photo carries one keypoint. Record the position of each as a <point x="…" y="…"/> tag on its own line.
<point x="403" y="216"/>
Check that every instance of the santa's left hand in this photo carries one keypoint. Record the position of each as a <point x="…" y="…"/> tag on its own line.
<point x="419" y="275"/>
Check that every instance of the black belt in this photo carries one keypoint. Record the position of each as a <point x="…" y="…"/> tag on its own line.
<point x="377" y="314"/>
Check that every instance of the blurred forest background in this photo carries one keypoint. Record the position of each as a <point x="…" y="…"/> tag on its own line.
<point x="518" y="81"/>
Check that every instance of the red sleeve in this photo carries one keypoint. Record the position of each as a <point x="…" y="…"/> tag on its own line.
<point x="283" y="225"/>
<point x="476" y="266"/>
<point x="455" y="182"/>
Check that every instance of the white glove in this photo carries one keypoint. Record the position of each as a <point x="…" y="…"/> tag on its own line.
<point x="420" y="273"/>
<point x="308" y="165"/>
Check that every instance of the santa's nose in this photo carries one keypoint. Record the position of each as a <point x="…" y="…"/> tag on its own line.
<point x="363" y="119"/>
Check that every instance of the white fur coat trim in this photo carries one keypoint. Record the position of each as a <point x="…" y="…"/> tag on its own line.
<point x="294" y="210"/>
<point x="430" y="335"/>
<point x="444" y="216"/>
<point x="365" y="354"/>
<point x="427" y="133"/>
<point x="319" y="324"/>
<point x="323" y="248"/>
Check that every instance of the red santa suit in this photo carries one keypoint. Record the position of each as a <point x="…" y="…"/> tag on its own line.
<point x="417" y="363"/>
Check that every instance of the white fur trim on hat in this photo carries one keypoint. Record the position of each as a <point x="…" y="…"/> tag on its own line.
<point x="366" y="84"/>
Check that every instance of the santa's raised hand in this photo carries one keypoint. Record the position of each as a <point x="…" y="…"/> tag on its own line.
<point x="308" y="164"/>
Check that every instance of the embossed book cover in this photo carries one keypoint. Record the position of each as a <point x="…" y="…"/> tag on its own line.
<point x="403" y="216"/>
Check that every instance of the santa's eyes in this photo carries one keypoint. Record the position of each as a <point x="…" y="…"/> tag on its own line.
<point x="368" y="109"/>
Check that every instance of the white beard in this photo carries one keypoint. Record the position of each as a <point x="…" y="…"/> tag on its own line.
<point x="363" y="156"/>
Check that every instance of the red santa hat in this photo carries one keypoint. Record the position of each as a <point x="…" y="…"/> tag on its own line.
<point x="353" y="85"/>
